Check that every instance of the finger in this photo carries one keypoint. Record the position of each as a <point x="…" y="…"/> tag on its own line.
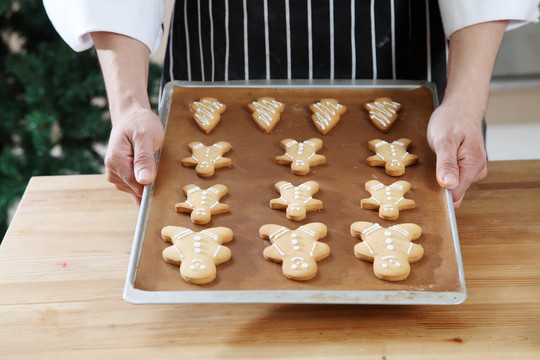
<point x="144" y="165"/>
<point x="124" y="183"/>
<point x="447" y="165"/>
<point x="468" y="176"/>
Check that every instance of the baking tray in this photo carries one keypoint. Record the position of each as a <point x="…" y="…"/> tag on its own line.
<point x="248" y="278"/>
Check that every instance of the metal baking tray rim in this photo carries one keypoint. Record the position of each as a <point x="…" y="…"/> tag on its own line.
<point x="137" y="296"/>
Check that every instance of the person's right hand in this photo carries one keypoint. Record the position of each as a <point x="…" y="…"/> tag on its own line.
<point x="135" y="137"/>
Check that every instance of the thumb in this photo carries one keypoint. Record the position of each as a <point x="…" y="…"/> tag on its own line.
<point x="144" y="165"/>
<point x="447" y="167"/>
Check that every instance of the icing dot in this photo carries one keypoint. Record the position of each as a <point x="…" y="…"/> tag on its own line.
<point x="397" y="264"/>
<point x="294" y="266"/>
<point x="296" y="248"/>
<point x="197" y="237"/>
<point x="388" y="189"/>
<point x="387" y="233"/>
<point x="390" y="247"/>
<point x="388" y="241"/>
<point x="389" y="198"/>
<point x="388" y="193"/>
<point x="197" y="244"/>
<point x="197" y="250"/>
<point x="384" y="266"/>
<point x="192" y="267"/>
<point x="203" y="202"/>
<point x="205" y="192"/>
<point x="305" y="266"/>
<point x="203" y="197"/>
<point x="297" y="197"/>
<point x="293" y="235"/>
<point x="294" y="242"/>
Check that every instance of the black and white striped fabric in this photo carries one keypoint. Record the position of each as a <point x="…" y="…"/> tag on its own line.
<point x="220" y="40"/>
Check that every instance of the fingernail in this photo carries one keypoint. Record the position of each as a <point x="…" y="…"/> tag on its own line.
<point x="450" y="181"/>
<point x="144" y="175"/>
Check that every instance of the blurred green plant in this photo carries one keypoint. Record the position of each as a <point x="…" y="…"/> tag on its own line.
<point x="53" y="108"/>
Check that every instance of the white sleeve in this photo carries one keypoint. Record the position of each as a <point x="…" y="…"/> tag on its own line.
<point x="74" y="20"/>
<point x="457" y="14"/>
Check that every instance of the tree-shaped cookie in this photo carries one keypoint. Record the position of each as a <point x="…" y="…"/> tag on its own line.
<point x="391" y="250"/>
<point x="301" y="156"/>
<point x="207" y="158"/>
<point x="266" y="112"/>
<point x="197" y="253"/>
<point x="203" y="203"/>
<point x="393" y="156"/>
<point x="207" y="113"/>
<point x="383" y="113"/>
<point x="296" y="200"/>
<point x="326" y="114"/>
<point x="388" y="200"/>
<point x="298" y="250"/>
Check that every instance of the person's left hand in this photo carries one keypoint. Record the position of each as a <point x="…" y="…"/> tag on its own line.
<point x="455" y="135"/>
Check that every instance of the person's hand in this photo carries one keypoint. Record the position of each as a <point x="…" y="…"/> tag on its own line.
<point x="455" y="135"/>
<point x="135" y="136"/>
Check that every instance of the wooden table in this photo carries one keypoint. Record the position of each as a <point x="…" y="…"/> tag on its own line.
<point x="63" y="264"/>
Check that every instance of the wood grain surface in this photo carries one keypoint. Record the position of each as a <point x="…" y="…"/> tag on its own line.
<point x="64" y="259"/>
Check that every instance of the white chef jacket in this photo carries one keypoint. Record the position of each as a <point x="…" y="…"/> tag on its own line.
<point x="142" y="19"/>
<point x="216" y="40"/>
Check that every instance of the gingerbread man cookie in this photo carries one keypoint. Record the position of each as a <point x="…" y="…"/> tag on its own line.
<point x="197" y="253"/>
<point x="207" y="113"/>
<point x="393" y="156"/>
<point x="296" y="200"/>
<point x="298" y="250"/>
<point x="383" y="113"/>
<point x="207" y="158"/>
<point x="388" y="200"/>
<point x="391" y="250"/>
<point x="203" y="203"/>
<point x="266" y="112"/>
<point x="301" y="156"/>
<point x="326" y="114"/>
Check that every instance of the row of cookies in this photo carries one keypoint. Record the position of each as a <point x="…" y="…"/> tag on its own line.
<point x="301" y="156"/>
<point x="390" y="249"/>
<point x="266" y="113"/>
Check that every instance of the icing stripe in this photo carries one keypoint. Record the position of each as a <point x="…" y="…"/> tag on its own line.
<point x="278" y="233"/>
<point x="369" y="248"/>
<point x="410" y="248"/>
<point x="370" y="229"/>
<point x="178" y="251"/>
<point x="278" y="249"/>
<point x="214" y="190"/>
<point x="400" y="230"/>
<point x="307" y="231"/>
<point x="312" y="249"/>
<point x="307" y="142"/>
<point x="291" y="143"/>
<point x="193" y="190"/>
<point x="285" y="186"/>
<point x="217" y="250"/>
<point x="380" y="143"/>
<point x="377" y="187"/>
<point x="182" y="234"/>
<point x="210" y="234"/>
